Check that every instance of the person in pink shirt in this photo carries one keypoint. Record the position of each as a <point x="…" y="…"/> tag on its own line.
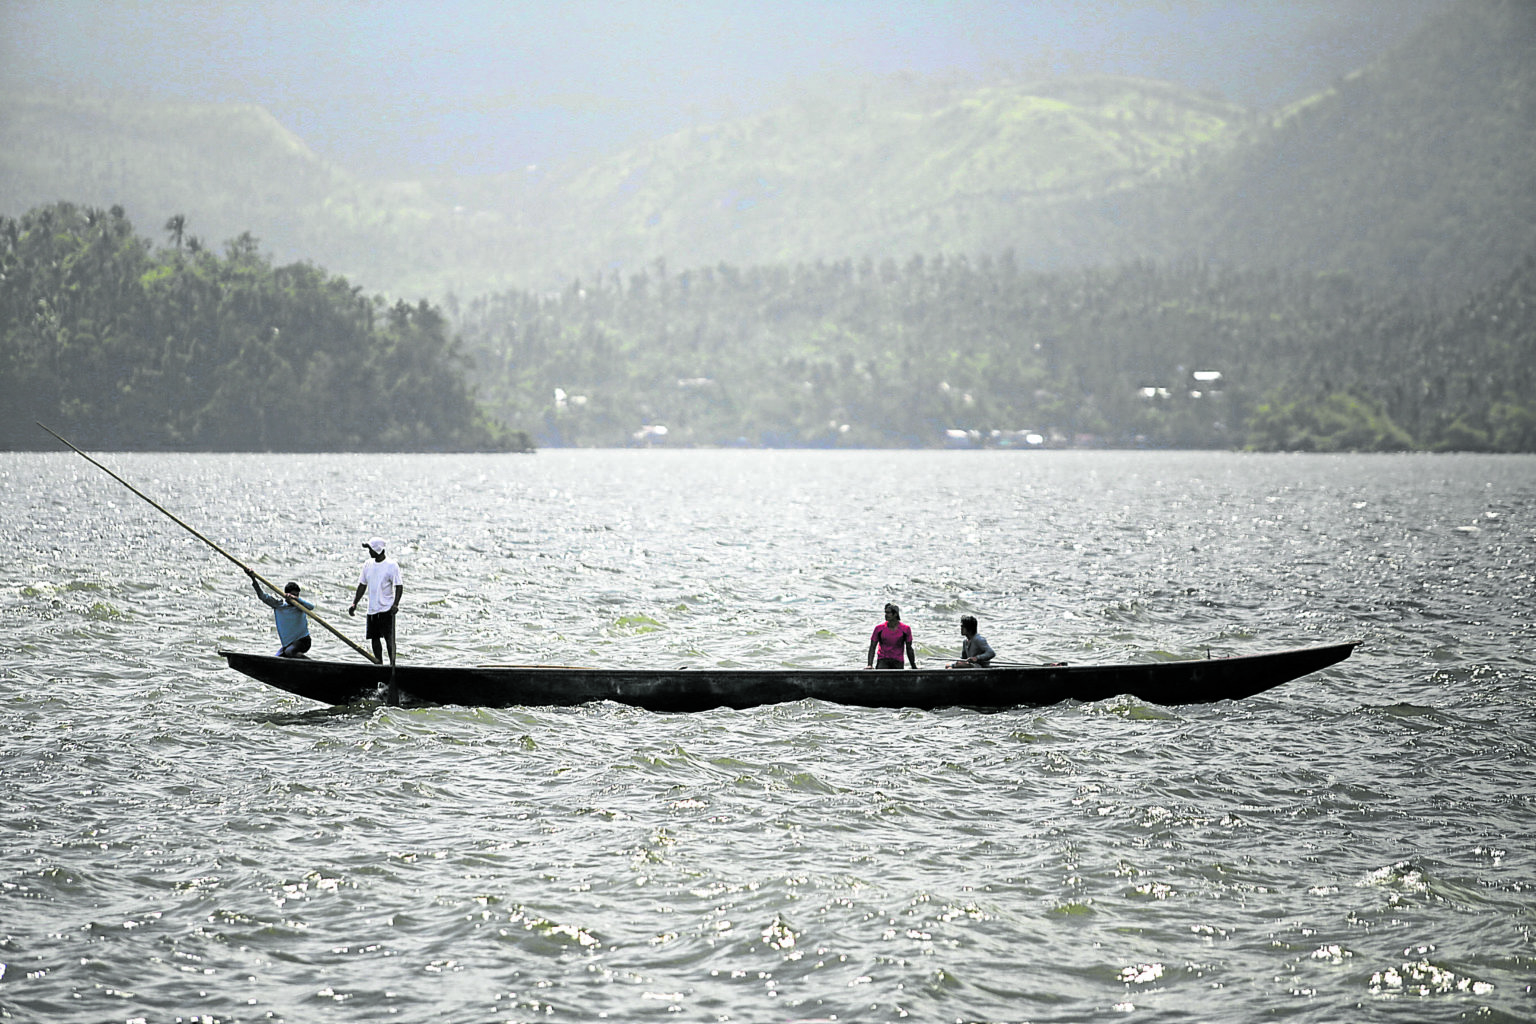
<point x="890" y="639"/>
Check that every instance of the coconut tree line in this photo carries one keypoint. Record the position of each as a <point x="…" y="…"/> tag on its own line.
<point x="124" y="344"/>
<point x="953" y="350"/>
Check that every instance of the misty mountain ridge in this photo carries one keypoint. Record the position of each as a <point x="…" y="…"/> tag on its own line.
<point x="1413" y="170"/>
<point x="884" y="172"/>
<point x="897" y="167"/>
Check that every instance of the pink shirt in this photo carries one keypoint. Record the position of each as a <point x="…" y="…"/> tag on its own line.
<point x="892" y="641"/>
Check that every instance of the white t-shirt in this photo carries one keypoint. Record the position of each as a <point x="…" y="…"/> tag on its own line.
<point x="381" y="579"/>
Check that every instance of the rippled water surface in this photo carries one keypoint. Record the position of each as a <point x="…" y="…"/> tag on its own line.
<point x="182" y="843"/>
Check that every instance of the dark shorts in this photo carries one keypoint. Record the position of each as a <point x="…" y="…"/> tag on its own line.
<point x="888" y="663"/>
<point x="381" y="626"/>
<point x="296" y="648"/>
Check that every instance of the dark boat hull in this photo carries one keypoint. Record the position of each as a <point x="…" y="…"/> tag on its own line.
<point x="1198" y="681"/>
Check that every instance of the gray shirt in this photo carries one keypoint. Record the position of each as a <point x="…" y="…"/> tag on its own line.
<point x="977" y="649"/>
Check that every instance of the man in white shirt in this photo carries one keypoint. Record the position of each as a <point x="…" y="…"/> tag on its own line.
<point x="380" y="580"/>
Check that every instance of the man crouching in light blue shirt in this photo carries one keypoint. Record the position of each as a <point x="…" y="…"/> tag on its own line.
<point x="292" y="623"/>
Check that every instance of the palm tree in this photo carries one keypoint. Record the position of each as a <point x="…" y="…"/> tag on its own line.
<point x="175" y="228"/>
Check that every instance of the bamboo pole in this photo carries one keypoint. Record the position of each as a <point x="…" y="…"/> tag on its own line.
<point x="248" y="571"/>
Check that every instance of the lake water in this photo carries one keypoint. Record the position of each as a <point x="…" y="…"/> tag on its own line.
<point x="184" y="844"/>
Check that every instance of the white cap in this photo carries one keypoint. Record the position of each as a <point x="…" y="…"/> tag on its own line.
<point x="376" y="545"/>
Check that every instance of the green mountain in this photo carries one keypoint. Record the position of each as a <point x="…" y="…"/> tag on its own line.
<point x="898" y="168"/>
<point x="890" y="170"/>
<point x="1415" y="170"/>
<point x="1091" y="260"/>
<point x="1418" y="171"/>
<point x="228" y="169"/>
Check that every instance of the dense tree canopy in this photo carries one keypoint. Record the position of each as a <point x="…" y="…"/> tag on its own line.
<point x="954" y="351"/>
<point x="122" y="346"/>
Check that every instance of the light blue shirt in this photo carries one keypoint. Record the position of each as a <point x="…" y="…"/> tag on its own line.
<point x="292" y="623"/>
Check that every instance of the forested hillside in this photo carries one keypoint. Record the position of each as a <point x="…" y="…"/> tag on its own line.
<point x="910" y="168"/>
<point x="1412" y="173"/>
<point x="954" y="351"/>
<point x="894" y="169"/>
<point x="1419" y="171"/>
<point x="231" y="169"/>
<point x="1088" y="261"/>
<point x="119" y="345"/>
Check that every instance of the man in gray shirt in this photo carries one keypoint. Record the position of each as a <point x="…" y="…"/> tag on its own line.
<point x="975" y="652"/>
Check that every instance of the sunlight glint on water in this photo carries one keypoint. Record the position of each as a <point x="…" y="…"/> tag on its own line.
<point x="183" y="842"/>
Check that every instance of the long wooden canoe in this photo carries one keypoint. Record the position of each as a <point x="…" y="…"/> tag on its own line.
<point x="1194" y="681"/>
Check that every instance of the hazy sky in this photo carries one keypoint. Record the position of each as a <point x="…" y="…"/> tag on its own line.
<point x="396" y="87"/>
